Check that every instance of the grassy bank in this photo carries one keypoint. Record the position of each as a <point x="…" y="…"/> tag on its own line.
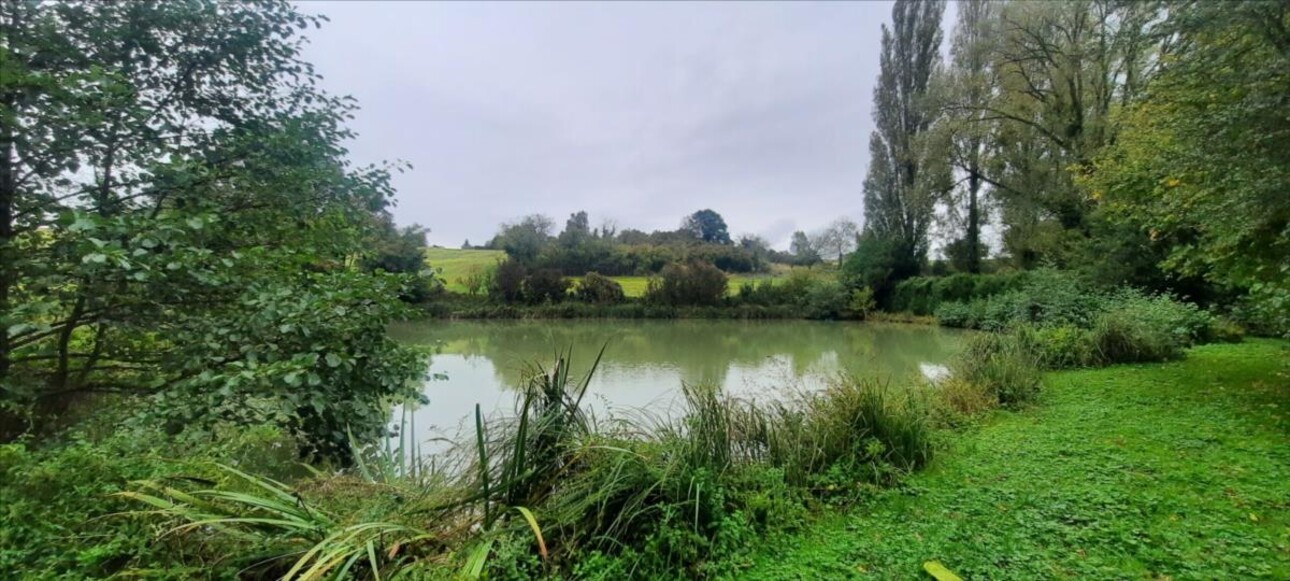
<point x="1177" y="470"/>
<point x="454" y="264"/>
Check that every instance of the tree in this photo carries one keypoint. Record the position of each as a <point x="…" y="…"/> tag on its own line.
<point x="967" y="90"/>
<point x="708" y="226"/>
<point x="577" y="230"/>
<point x="804" y="249"/>
<point x="1202" y="163"/>
<point x="178" y="222"/>
<point x="903" y="181"/>
<point x="695" y="284"/>
<point x="401" y="251"/>
<point x="1060" y="69"/>
<point x="838" y="238"/>
<point x="523" y="240"/>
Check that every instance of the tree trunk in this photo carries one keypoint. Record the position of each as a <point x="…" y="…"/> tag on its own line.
<point x="974" y="224"/>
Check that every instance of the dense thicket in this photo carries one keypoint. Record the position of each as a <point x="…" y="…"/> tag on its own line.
<point x="1138" y="143"/>
<point x="178" y="223"/>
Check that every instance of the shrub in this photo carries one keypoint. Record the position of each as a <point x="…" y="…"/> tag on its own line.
<point x="955" y="315"/>
<point x="924" y="295"/>
<point x="545" y="285"/>
<point x="507" y="284"/>
<point x="862" y="302"/>
<point x="1185" y="322"/>
<point x="693" y="284"/>
<point x="1225" y="330"/>
<point x="825" y="299"/>
<point x="1121" y="339"/>
<point x="599" y="290"/>
<point x="1059" y="347"/>
<point x="1000" y="365"/>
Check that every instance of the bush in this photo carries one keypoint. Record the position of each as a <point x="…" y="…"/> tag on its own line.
<point x="1224" y="330"/>
<point x="826" y="299"/>
<point x="693" y="284"/>
<point x="507" y="284"/>
<point x="599" y="290"/>
<point x="862" y="302"/>
<point x="1001" y="365"/>
<point x="923" y="295"/>
<point x="1120" y="339"/>
<point x="545" y="285"/>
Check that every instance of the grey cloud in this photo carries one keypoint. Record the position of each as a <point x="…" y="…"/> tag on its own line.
<point x="636" y="112"/>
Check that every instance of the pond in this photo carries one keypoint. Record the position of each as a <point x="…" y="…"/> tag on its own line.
<point x="645" y="363"/>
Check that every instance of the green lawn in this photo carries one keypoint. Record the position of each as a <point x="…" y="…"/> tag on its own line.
<point x="454" y="264"/>
<point x="1173" y="471"/>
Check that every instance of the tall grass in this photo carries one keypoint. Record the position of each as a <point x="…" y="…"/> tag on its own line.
<point x="549" y="486"/>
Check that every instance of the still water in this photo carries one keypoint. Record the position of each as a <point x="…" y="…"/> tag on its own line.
<point x="645" y="363"/>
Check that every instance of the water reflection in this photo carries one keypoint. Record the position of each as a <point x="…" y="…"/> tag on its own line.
<point x="646" y="362"/>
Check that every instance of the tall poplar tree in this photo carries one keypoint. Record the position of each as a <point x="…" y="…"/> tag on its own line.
<point x="901" y="188"/>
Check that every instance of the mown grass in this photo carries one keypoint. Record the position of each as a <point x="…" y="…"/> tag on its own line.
<point x="455" y="264"/>
<point x="1166" y="471"/>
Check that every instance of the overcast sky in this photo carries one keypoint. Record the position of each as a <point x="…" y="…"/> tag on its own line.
<point x="639" y="113"/>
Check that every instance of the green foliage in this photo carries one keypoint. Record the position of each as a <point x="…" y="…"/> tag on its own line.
<point x="545" y="285"/>
<point x="599" y="290"/>
<point x="402" y="251"/>
<point x="1201" y="164"/>
<point x="1000" y="365"/>
<point x="63" y="518"/>
<point x="923" y="295"/>
<point x="187" y="230"/>
<point x="693" y="284"/>
<point x="905" y="173"/>
<point x="861" y="302"/>
<point x="507" y="284"/>
<point x="874" y="265"/>
<point x="708" y="226"/>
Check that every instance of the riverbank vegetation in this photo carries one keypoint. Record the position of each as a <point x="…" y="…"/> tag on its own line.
<point x="196" y="287"/>
<point x="1153" y="471"/>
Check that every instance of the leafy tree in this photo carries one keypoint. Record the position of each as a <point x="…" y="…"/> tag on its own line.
<point x="599" y="290"/>
<point x="401" y="251"/>
<point x="804" y="249"/>
<point x="903" y="179"/>
<point x="525" y="239"/>
<point x="507" y="284"/>
<point x="178" y="223"/>
<point x="966" y="90"/>
<point x="1202" y="164"/>
<point x="694" y="284"/>
<point x="545" y="285"/>
<point x="872" y="265"/>
<point x="577" y="230"/>
<point x="1060" y="69"/>
<point x="708" y="226"/>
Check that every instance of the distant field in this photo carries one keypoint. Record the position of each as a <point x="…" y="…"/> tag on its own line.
<point x="454" y="264"/>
